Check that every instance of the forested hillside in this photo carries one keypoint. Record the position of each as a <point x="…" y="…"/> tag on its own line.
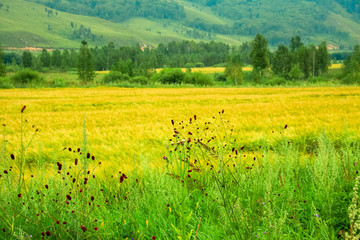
<point x="119" y="10"/>
<point x="277" y="19"/>
<point x="44" y="22"/>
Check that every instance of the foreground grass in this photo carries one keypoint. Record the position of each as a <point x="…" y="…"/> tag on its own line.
<point x="211" y="185"/>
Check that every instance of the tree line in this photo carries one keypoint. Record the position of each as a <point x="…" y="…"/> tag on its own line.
<point x="294" y="61"/>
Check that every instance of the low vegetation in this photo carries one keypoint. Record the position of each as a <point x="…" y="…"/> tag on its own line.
<point x="210" y="185"/>
<point x="293" y="65"/>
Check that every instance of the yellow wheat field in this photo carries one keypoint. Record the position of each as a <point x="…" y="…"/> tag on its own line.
<point x="210" y="70"/>
<point x="126" y="126"/>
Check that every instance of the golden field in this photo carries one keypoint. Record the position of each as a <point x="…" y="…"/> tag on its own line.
<point x="210" y="70"/>
<point x="125" y="126"/>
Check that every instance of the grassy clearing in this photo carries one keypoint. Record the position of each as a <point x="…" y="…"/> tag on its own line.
<point x="210" y="184"/>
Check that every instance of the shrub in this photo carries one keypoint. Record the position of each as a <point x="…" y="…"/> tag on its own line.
<point x="199" y="65"/>
<point x="115" y="77"/>
<point x="170" y="76"/>
<point x="5" y="83"/>
<point x="59" y="82"/>
<point x="27" y="76"/>
<point x="189" y="65"/>
<point x="317" y="79"/>
<point x="199" y="79"/>
<point x="275" y="81"/>
<point x="220" y="77"/>
<point x="351" y="78"/>
<point x="140" y="80"/>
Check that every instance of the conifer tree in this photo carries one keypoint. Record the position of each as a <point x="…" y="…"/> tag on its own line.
<point x="2" y="65"/>
<point x="85" y="63"/>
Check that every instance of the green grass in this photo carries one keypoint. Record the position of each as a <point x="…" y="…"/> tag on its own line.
<point x="209" y="187"/>
<point x="26" y="24"/>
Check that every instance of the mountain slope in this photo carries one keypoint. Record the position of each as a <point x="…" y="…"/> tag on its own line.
<point x="42" y="24"/>
<point x="28" y="24"/>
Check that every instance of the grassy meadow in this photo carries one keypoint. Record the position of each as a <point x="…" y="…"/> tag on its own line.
<point x="219" y="163"/>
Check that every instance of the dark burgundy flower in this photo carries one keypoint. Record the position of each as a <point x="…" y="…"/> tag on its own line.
<point x="95" y="228"/>
<point x="23" y="109"/>
<point x="78" y="149"/>
<point x="47" y="233"/>
<point x="93" y="158"/>
<point x="242" y="148"/>
<point x="76" y="161"/>
<point x="286" y="126"/>
<point x="92" y="198"/>
<point x="12" y="156"/>
<point x="5" y="171"/>
<point x="64" y="223"/>
<point x="195" y="117"/>
<point x="153" y="237"/>
<point x="83" y="228"/>
<point x="42" y="234"/>
<point x="4" y="230"/>
<point x="68" y="197"/>
<point x="69" y="149"/>
<point x="172" y="122"/>
<point x="46" y="186"/>
<point x="88" y="155"/>
<point x="57" y="222"/>
<point x="74" y="180"/>
<point x="59" y="166"/>
<point x="19" y="195"/>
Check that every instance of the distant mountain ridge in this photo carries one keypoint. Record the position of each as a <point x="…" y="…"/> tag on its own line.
<point x="62" y="23"/>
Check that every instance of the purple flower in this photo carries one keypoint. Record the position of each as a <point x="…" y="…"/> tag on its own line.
<point x="316" y="215"/>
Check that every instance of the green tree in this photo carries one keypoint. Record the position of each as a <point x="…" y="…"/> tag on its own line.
<point x="295" y="43"/>
<point x="312" y="55"/>
<point x="259" y="53"/>
<point x="45" y="58"/>
<point x="73" y="59"/>
<point x="27" y="59"/>
<point x="233" y="69"/>
<point x="351" y="68"/>
<point x="56" y="59"/>
<point x="125" y="67"/>
<point x="356" y="53"/>
<point x="2" y="65"/>
<point x="65" y="60"/>
<point x="304" y="61"/>
<point x="85" y="64"/>
<point x="282" y="62"/>
<point x="322" y="59"/>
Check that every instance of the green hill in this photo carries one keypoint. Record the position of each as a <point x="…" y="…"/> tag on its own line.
<point x="34" y="25"/>
<point x="64" y="23"/>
